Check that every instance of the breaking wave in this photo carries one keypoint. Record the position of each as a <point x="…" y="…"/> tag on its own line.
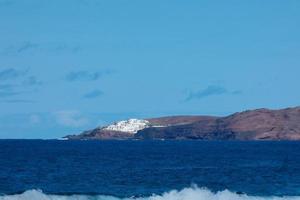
<point x="193" y="193"/>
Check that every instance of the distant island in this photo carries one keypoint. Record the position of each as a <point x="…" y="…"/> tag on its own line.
<point x="259" y="124"/>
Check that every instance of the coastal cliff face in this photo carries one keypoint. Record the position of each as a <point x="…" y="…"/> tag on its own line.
<point x="260" y="124"/>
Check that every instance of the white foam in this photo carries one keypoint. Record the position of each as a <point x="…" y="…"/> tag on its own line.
<point x="193" y="193"/>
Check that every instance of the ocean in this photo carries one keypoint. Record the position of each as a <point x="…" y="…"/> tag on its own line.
<point x="154" y="170"/>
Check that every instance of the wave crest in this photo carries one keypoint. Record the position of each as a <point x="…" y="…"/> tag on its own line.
<point x="193" y="193"/>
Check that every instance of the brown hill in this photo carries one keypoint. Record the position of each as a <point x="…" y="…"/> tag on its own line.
<point x="101" y="134"/>
<point x="260" y="124"/>
<point x="177" y="120"/>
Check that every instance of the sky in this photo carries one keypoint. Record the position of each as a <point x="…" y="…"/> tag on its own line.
<point x="71" y="65"/>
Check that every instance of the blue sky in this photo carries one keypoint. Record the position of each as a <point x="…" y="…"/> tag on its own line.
<point x="67" y="66"/>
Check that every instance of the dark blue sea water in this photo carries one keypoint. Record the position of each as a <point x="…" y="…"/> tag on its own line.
<point x="53" y="169"/>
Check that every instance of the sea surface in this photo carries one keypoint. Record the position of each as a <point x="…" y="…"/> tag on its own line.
<point x="148" y="170"/>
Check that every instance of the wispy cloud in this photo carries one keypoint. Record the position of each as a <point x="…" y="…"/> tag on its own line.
<point x="7" y="90"/>
<point x="27" y="46"/>
<point x="71" y="118"/>
<point x="8" y="93"/>
<point x="32" y="81"/>
<point x="22" y="83"/>
<point x="64" y="47"/>
<point x="17" y="101"/>
<point x="93" y="94"/>
<point x="35" y="47"/>
<point x="11" y="73"/>
<point x="237" y="92"/>
<point x="6" y="87"/>
<point x="211" y="90"/>
<point x="86" y="75"/>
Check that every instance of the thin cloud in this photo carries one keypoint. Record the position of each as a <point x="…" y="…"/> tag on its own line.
<point x="58" y="48"/>
<point x="86" y="75"/>
<point x="7" y="90"/>
<point x="93" y="94"/>
<point x="33" y="47"/>
<point x="212" y="90"/>
<point x="8" y="93"/>
<point x="17" y="101"/>
<point x="6" y="87"/>
<point x="22" y="83"/>
<point x="32" y="81"/>
<point x="11" y="73"/>
<point x="237" y="92"/>
<point x="27" y="46"/>
<point x="70" y="118"/>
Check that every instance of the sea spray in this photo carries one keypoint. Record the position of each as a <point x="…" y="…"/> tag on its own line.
<point x="192" y="193"/>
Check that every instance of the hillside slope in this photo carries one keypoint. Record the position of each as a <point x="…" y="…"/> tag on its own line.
<point x="260" y="124"/>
